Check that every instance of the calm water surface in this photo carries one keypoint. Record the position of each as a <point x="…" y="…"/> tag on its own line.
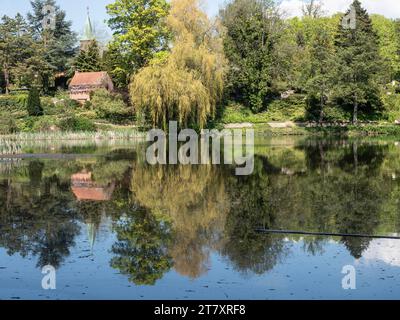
<point x="117" y="228"/>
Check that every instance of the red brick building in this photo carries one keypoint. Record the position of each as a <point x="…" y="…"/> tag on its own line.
<point x="83" y="83"/>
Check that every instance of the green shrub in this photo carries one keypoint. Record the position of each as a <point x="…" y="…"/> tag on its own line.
<point x="8" y="125"/>
<point x="110" y="106"/>
<point x="53" y="106"/>
<point x="236" y="113"/>
<point x="62" y="106"/>
<point x="87" y="105"/>
<point x="391" y="104"/>
<point x="336" y="114"/>
<point x="27" y="124"/>
<point x="33" y="104"/>
<point x="48" y="106"/>
<point x="291" y="109"/>
<point x="88" y="114"/>
<point x="75" y="123"/>
<point x="62" y="95"/>
<point x="13" y="103"/>
<point x="45" y="124"/>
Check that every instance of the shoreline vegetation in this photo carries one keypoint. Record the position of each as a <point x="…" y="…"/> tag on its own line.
<point x="278" y="128"/>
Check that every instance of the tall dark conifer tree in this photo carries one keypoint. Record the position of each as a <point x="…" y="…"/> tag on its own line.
<point x="59" y="42"/>
<point x="89" y="60"/>
<point x="358" y="60"/>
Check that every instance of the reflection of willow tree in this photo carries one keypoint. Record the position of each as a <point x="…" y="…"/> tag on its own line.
<point x="141" y="250"/>
<point x="193" y="198"/>
<point x="37" y="219"/>
<point x="251" y="208"/>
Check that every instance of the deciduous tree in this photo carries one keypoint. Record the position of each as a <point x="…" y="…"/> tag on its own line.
<point x="140" y="32"/>
<point x="253" y="32"/>
<point x="187" y="84"/>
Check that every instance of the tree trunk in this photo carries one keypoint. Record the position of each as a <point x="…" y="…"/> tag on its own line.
<point x="355" y="111"/>
<point x="321" y="112"/>
<point x="6" y="77"/>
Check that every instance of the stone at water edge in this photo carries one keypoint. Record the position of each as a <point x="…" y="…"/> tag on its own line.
<point x="238" y="125"/>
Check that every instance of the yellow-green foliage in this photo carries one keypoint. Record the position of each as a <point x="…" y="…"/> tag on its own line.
<point x="187" y="84"/>
<point x="194" y="200"/>
<point x="109" y="106"/>
<point x="391" y="102"/>
<point x="388" y="43"/>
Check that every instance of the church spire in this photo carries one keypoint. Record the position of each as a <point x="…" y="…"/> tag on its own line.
<point x="88" y="34"/>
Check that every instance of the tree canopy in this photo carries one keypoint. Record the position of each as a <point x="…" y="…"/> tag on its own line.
<point x="139" y="32"/>
<point x="358" y="58"/>
<point x="186" y="83"/>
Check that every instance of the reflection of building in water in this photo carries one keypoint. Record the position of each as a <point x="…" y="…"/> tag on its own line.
<point x="92" y="231"/>
<point x="84" y="188"/>
<point x="87" y="191"/>
<point x="99" y="231"/>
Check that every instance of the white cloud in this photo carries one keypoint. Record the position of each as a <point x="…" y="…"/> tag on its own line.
<point x="387" y="251"/>
<point x="388" y="8"/>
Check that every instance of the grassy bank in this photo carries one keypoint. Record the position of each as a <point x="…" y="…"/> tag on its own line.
<point x="105" y="112"/>
<point x="15" y="143"/>
<point x="59" y="135"/>
<point x="290" y="117"/>
<point x="349" y="130"/>
<point x="107" y="118"/>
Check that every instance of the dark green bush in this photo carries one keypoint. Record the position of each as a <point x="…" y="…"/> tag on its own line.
<point x="75" y="123"/>
<point x="33" y="105"/>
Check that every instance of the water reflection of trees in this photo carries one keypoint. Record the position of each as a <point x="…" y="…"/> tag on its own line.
<point x="176" y="216"/>
<point x="34" y="219"/>
<point x="350" y="189"/>
<point x="40" y="216"/>
<point x="194" y="200"/>
<point x="141" y="251"/>
<point x="250" y="208"/>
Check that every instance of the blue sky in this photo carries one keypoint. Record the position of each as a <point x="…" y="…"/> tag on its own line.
<point x="76" y="9"/>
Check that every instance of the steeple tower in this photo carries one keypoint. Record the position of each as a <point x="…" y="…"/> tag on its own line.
<point x="88" y="35"/>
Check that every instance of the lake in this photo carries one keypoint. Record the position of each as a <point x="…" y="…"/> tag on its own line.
<point x="114" y="227"/>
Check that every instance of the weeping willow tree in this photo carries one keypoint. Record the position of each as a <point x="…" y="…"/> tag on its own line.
<point x="186" y="83"/>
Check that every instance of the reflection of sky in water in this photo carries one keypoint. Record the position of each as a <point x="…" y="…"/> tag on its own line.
<point x="86" y="274"/>
<point x="387" y="251"/>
